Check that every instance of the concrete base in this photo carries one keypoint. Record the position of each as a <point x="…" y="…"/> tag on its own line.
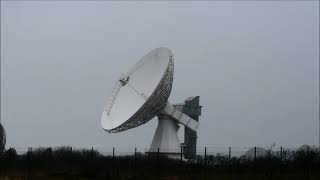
<point x="166" y="138"/>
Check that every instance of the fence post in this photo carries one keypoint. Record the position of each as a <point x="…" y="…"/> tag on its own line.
<point x="229" y="156"/>
<point x="135" y="157"/>
<point x="255" y="153"/>
<point x="113" y="165"/>
<point x="113" y="154"/>
<point x="29" y="162"/>
<point x="181" y="154"/>
<point x="281" y="153"/>
<point x="205" y="156"/>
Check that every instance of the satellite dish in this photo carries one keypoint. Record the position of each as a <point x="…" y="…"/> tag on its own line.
<point x="140" y="95"/>
<point x="2" y="138"/>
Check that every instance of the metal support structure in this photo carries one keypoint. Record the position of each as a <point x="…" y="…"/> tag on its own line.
<point x="191" y="108"/>
<point x="180" y="117"/>
<point x="166" y="138"/>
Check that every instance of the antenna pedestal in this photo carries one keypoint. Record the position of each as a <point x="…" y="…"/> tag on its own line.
<point x="166" y="137"/>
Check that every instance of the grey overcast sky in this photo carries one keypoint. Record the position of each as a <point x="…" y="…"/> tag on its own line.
<point x="255" y="66"/>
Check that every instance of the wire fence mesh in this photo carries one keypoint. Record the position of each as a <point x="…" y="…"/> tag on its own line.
<point x="228" y="152"/>
<point x="67" y="161"/>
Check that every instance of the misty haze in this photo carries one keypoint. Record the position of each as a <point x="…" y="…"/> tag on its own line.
<point x="255" y="66"/>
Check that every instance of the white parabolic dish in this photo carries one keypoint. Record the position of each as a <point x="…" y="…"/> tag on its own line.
<point x="140" y="94"/>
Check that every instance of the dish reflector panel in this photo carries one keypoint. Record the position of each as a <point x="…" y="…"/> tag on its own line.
<point x="140" y="94"/>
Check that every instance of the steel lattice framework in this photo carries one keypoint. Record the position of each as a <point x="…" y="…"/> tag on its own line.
<point x="153" y="105"/>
